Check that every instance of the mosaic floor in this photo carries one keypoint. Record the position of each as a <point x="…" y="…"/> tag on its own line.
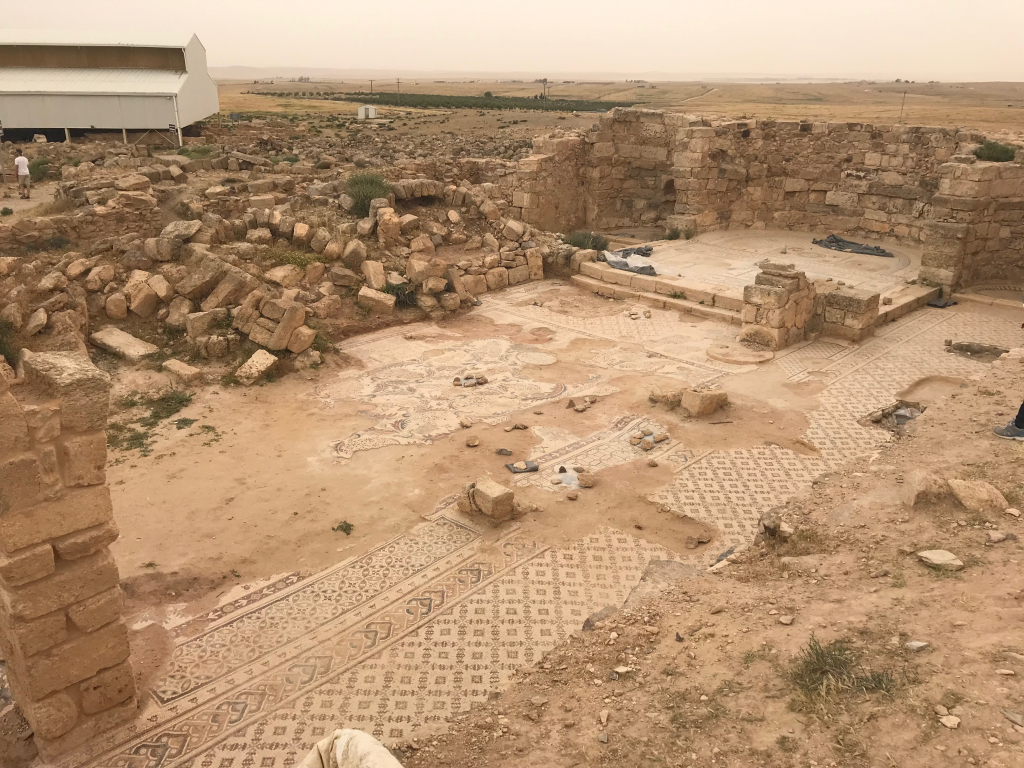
<point x="424" y="626"/>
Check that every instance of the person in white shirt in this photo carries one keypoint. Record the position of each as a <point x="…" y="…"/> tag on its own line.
<point x="24" y="178"/>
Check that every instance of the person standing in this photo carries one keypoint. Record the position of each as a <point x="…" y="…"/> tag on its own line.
<point x="24" y="176"/>
<point x="1014" y="430"/>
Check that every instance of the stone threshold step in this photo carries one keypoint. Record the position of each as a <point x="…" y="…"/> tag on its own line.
<point x="668" y="285"/>
<point x="657" y="300"/>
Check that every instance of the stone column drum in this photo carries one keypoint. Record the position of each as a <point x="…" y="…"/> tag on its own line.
<point x="61" y="629"/>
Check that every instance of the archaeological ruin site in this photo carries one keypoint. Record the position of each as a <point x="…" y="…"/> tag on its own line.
<point x="645" y="438"/>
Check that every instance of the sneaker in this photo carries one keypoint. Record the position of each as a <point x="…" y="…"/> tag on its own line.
<point x="1010" y="432"/>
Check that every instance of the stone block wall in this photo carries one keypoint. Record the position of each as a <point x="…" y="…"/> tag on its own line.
<point x="61" y="629"/>
<point x="121" y="215"/>
<point x="547" y="189"/>
<point x="848" y="313"/>
<point x="976" y="231"/>
<point x="779" y="307"/>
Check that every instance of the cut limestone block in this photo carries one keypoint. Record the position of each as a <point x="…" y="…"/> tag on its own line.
<point x="376" y="302"/>
<point x="257" y="365"/>
<point x="122" y="344"/>
<point x="183" y="371"/>
<point x="493" y="500"/>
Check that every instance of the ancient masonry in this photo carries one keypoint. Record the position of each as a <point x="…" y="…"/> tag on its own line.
<point x="63" y="635"/>
<point x="914" y="183"/>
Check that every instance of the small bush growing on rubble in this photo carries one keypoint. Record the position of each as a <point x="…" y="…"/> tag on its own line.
<point x="405" y="295"/>
<point x="673" y="234"/>
<point x="5" y="211"/>
<point x="995" y="152"/>
<point x="688" y="233"/>
<point x="587" y="240"/>
<point x="7" y="348"/>
<point x="364" y="187"/>
<point x="277" y="255"/>
<point x="37" y="168"/>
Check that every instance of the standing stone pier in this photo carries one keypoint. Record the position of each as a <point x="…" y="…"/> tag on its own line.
<point x="61" y="629"/>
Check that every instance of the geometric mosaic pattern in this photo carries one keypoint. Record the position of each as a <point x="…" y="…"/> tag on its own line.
<point x="427" y="625"/>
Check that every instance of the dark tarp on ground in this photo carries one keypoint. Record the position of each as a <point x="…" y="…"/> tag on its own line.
<point x="837" y="243"/>
<point x="620" y="260"/>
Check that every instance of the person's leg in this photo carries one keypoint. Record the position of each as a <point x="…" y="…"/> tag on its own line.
<point x="1015" y="429"/>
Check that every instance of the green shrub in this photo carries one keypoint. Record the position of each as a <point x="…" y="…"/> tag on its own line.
<point x="37" y="168"/>
<point x="828" y="670"/>
<point x="7" y="349"/>
<point x="5" y="211"/>
<point x="689" y="233"/>
<point x="587" y="240"/>
<point x="364" y="187"/>
<point x="277" y="255"/>
<point x="673" y="234"/>
<point x="405" y="294"/>
<point x="995" y="152"/>
<point x="196" y="153"/>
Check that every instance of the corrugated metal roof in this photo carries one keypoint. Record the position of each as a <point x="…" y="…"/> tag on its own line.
<point x="90" y="81"/>
<point x="93" y="37"/>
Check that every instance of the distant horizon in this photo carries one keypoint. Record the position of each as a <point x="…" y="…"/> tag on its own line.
<point x="235" y="72"/>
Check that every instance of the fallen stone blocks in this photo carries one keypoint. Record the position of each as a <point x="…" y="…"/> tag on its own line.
<point x="696" y="402"/>
<point x="492" y="500"/>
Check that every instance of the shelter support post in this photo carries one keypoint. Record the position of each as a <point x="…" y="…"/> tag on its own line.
<point x="67" y="135"/>
<point x="124" y="135"/>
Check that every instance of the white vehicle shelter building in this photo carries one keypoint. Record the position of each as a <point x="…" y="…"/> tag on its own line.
<point x="100" y="80"/>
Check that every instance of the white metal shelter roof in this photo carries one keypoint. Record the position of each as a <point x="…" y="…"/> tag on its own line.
<point x="93" y="37"/>
<point x="90" y="81"/>
<point x="103" y="80"/>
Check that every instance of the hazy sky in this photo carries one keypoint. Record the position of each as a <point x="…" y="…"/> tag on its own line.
<point x="913" y="39"/>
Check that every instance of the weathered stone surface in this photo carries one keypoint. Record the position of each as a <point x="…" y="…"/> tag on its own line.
<point x="257" y="365"/>
<point x="923" y="487"/>
<point x="201" y="323"/>
<point x="70" y="582"/>
<point x="301" y="339"/>
<point x="85" y="542"/>
<point x="13" y="427"/>
<point x="93" y="612"/>
<point x="375" y="302"/>
<point x="107" y="688"/>
<point x="373" y="272"/>
<point x="84" y="458"/>
<point x="294" y="316"/>
<point x="116" y="306"/>
<point x="940" y="559"/>
<point x="36" y="635"/>
<point x="21" y="482"/>
<point x="142" y="300"/>
<point x="178" y="311"/>
<point x="978" y="496"/>
<point x="74" y="661"/>
<point x="122" y="344"/>
<point x="354" y="254"/>
<point x="181" y="230"/>
<point x="183" y="372"/>
<point x="54" y="715"/>
<point x="286" y="275"/>
<point x="344" y="276"/>
<point x="493" y="500"/>
<point x="233" y="287"/>
<point x="75" y="510"/>
<point x="497" y="278"/>
<point x="203" y="275"/>
<point x="82" y="388"/>
<point x="26" y="565"/>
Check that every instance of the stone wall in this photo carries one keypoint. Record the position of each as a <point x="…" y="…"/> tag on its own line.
<point x="911" y="183"/>
<point x="547" y="189"/>
<point x="779" y="308"/>
<point x="61" y="629"/>
<point x="976" y="233"/>
<point x="128" y="213"/>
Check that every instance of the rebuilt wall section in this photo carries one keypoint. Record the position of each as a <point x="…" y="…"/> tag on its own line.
<point x="61" y="629"/>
